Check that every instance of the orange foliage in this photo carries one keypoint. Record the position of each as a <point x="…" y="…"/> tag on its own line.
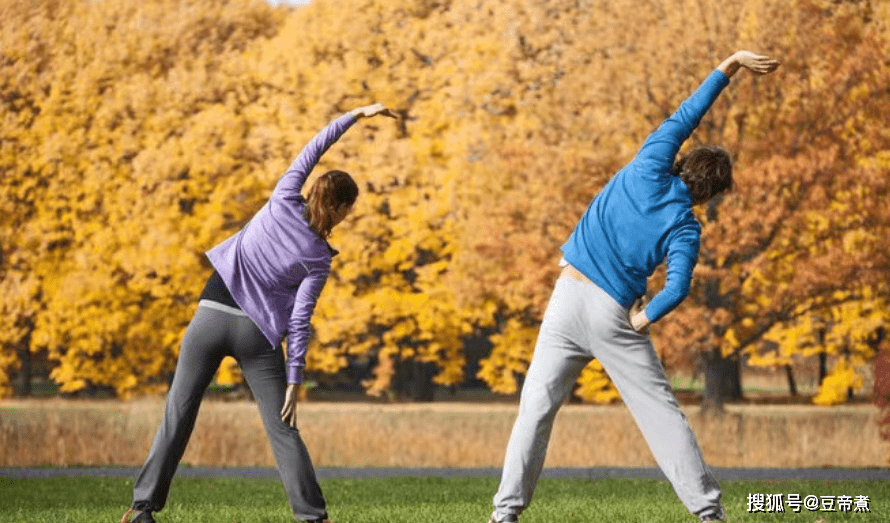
<point x="137" y="135"/>
<point x="795" y="260"/>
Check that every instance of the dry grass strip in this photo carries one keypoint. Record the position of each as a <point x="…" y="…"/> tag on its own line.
<point x="60" y="433"/>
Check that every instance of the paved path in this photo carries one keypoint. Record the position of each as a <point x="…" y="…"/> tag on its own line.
<point x="589" y="473"/>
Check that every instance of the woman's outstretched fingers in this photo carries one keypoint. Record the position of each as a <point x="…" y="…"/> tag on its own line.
<point x="374" y="110"/>
<point x="389" y="112"/>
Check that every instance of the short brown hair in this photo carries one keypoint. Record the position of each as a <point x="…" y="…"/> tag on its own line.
<point x="706" y="171"/>
<point x="328" y="193"/>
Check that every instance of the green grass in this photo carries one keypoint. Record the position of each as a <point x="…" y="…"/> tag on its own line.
<point x="465" y="500"/>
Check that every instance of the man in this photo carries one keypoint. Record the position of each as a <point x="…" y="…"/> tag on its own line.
<point x="640" y="218"/>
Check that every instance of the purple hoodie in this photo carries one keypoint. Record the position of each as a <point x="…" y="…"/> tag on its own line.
<point x="276" y="266"/>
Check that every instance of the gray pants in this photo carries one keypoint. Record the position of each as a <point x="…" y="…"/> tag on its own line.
<point x="211" y="335"/>
<point x="583" y="322"/>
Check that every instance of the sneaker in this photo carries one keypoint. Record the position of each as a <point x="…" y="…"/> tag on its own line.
<point x="142" y="516"/>
<point x="511" y="518"/>
<point x="719" y="517"/>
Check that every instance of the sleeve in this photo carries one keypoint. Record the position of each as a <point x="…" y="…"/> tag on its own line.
<point x="290" y="185"/>
<point x="662" y="146"/>
<point x="681" y="259"/>
<point x="298" y="325"/>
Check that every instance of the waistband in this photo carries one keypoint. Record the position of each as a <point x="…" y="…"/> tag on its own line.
<point x="571" y="272"/>
<point x="210" y="304"/>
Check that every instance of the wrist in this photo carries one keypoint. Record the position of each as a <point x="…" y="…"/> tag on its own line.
<point x="731" y="65"/>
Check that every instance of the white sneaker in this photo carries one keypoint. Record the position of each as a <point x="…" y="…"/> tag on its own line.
<point x="512" y="518"/>
<point x="720" y="516"/>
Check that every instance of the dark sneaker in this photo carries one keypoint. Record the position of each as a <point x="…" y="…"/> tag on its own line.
<point x="142" y="516"/>
<point x="511" y="518"/>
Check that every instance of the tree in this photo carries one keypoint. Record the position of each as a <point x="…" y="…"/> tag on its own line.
<point x="135" y="137"/>
<point x="796" y="253"/>
<point x="119" y="120"/>
<point x="795" y="168"/>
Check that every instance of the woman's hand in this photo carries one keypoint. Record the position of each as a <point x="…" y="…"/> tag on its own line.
<point x="373" y="110"/>
<point x="289" y="411"/>
<point x="757" y="64"/>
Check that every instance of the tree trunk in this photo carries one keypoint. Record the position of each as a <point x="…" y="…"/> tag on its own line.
<point x="722" y="377"/>
<point x="882" y="387"/>
<point x="792" y="384"/>
<point x="415" y="380"/>
<point x="722" y="381"/>
<point x="25" y="372"/>
<point x="823" y="367"/>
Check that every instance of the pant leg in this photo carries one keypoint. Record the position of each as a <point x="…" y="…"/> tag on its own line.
<point x="263" y="368"/>
<point x="556" y="364"/>
<point x="633" y="366"/>
<point x="202" y="350"/>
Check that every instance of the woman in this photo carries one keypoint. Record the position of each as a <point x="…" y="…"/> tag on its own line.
<point x="640" y="218"/>
<point x="266" y="281"/>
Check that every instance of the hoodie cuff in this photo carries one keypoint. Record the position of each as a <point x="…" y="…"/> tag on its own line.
<point x="295" y="375"/>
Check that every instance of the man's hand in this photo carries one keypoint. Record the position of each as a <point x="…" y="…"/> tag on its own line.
<point x="637" y="317"/>
<point x="757" y="64"/>
<point x="289" y="411"/>
<point x="373" y="110"/>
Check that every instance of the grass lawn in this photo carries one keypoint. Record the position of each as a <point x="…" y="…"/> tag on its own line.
<point x="465" y="500"/>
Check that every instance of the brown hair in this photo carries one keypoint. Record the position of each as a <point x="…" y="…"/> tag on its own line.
<point x="706" y="171"/>
<point x="328" y="193"/>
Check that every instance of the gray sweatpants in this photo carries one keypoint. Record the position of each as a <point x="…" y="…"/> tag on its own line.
<point x="212" y="334"/>
<point x="583" y="322"/>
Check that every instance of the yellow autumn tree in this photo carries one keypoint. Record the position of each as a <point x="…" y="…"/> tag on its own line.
<point x="126" y="124"/>
<point x="137" y="136"/>
<point x="178" y="132"/>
